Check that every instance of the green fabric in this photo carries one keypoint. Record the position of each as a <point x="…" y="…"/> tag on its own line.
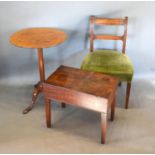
<point x="109" y="62"/>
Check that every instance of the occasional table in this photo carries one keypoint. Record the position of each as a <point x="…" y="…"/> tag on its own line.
<point x="38" y="38"/>
<point x="90" y="90"/>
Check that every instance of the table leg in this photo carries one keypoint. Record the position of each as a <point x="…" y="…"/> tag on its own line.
<point x="38" y="88"/>
<point x="63" y="105"/>
<point x="103" y="127"/>
<point x="41" y="64"/>
<point x="48" y="112"/>
<point x="36" y="91"/>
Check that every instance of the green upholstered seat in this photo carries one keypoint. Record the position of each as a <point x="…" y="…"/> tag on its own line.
<point x="109" y="62"/>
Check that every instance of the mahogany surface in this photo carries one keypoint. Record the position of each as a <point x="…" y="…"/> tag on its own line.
<point x="83" y="81"/>
<point x="90" y="90"/>
<point x="39" y="38"/>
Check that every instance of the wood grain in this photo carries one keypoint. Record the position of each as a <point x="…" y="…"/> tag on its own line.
<point x="108" y="37"/>
<point x="109" y="21"/>
<point x="38" y="37"/>
<point x="93" y="83"/>
<point x="76" y="98"/>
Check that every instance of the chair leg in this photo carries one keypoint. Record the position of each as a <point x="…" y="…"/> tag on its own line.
<point x="119" y="84"/>
<point x="127" y="94"/>
<point x="113" y="108"/>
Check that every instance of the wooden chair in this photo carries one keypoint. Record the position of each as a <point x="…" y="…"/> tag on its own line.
<point x="110" y="62"/>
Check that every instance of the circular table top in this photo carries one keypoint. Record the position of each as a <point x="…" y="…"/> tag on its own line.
<point x="38" y="37"/>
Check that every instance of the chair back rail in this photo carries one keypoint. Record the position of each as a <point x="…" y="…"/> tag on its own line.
<point x="108" y="21"/>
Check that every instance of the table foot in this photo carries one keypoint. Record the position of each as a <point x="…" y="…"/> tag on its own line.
<point x="119" y="84"/>
<point x="63" y="105"/>
<point x="37" y="90"/>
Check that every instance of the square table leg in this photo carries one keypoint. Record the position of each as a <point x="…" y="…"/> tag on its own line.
<point x="48" y="108"/>
<point x="113" y="104"/>
<point x="103" y="127"/>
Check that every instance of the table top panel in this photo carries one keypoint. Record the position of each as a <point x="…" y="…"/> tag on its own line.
<point x="38" y="37"/>
<point x="93" y="83"/>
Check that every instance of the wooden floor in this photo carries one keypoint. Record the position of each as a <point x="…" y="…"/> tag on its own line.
<point x="77" y="130"/>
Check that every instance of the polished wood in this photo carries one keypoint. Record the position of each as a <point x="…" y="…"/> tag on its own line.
<point x="125" y="35"/>
<point x="63" y="105"/>
<point x="108" y="37"/>
<point x="37" y="90"/>
<point x="38" y="87"/>
<point x="92" y="36"/>
<point x="89" y="90"/>
<point x="103" y="127"/>
<point x="107" y="21"/>
<point x="73" y="97"/>
<point x="41" y="64"/>
<point x="119" y="84"/>
<point x="38" y="38"/>
<point x="113" y="108"/>
<point x="82" y="81"/>
<point x="48" y="112"/>
<point x="127" y="94"/>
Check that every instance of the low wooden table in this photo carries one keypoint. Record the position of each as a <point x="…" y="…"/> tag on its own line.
<point x="90" y="90"/>
<point x="39" y="38"/>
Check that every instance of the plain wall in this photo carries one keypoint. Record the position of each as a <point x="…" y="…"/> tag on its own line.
<point x="20" y="66"/>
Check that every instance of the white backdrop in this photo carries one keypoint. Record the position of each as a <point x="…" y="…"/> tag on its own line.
<point x="18" y="65"/>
